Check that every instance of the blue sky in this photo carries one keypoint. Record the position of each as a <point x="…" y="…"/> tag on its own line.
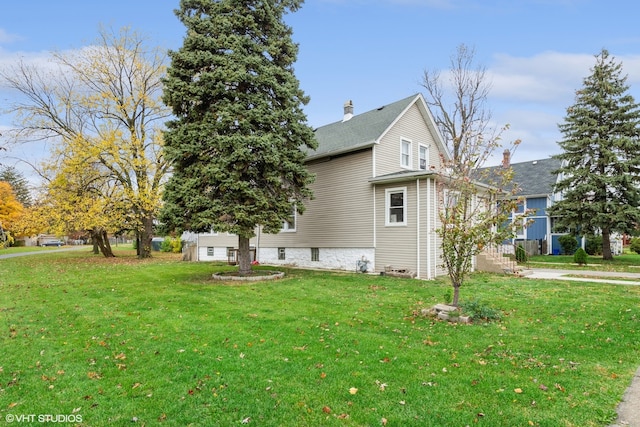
<point x="374" y="52"/>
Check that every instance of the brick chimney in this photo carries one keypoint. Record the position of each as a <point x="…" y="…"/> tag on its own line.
<point x="506" y="159"/>
<point x="348" y="111"/>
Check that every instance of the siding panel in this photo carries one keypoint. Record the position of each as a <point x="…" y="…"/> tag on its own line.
<point x="410" y="126"/>
<point x="341" y="213"/>
<point x="396" y="245"/>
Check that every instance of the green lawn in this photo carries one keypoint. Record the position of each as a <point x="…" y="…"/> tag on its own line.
<point x="125" y="342"/>
<point x="627" y="262"/>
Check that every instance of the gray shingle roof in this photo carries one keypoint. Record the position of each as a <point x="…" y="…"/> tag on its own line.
<point x="361" y="131"/>
<point x="535" y="177"/>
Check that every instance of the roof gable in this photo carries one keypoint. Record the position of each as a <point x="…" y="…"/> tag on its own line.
<point x="366" y="129"/>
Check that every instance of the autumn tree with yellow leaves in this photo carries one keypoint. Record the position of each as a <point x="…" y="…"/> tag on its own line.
<point x="10" y="212"/>
<point x="101" y="105"/>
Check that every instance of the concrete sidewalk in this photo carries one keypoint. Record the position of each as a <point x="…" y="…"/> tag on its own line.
<point x="593" y="276"/>
<point x="629" y="409"/>
<point x="49" y="251"/>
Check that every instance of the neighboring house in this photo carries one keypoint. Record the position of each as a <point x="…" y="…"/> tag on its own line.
<point x="375" y="198"/>
<point x="536" y="180"/>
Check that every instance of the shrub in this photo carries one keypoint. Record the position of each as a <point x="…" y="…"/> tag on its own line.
<point x="580" y="257"/>
<point x="521" y="254"/>
<point x="478" y="311"/>
<point x="635" y="245"/>
<point x="568" y="243"/>
<point x="171" y="244"/>
<point x="593" y="245"/>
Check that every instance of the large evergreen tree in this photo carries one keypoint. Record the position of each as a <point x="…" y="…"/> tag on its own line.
<point x="237" y="138"/>
<point x="600" y="173"/>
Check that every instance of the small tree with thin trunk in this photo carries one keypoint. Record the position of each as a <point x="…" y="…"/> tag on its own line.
<point x="237" y="138"/>
<point x="475" y="202"/>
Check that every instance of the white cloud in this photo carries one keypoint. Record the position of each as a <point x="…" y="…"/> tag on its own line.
<point x="6" y="38"/>
<point x="549" y="77"/>
<point x="532" y="95"/>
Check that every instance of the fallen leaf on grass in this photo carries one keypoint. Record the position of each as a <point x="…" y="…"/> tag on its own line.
<point x="94" y="375"/>
<point x="326" y="410"/>
<point x="353" y="390"/>
<point x="518" y="390"/>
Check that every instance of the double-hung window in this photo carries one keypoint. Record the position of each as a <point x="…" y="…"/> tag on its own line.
<point x="289" y="224"/>
<point x="424" y="157"/>
<point x="405" y="153"/>
<point x="396" y="206"/>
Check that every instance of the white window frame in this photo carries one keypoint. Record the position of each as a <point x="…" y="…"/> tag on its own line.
<point x="519" y="226"/>
<point x="387" y="197"/>
<point x="406" y="155"/>
<point x="287" y="227"/>
<point x="423" y="148"/>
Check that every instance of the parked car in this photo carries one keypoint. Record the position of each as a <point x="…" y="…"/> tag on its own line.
<point x="53" y="243"/>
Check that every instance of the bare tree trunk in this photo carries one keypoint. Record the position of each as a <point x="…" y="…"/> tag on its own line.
<point x="244" y="256"/>
<point x="101" y="240"/>
<point x="94" y="240"/>
<point x="606" y="245"/>
<point x="456" y="294"/>
<point x="107" y="246"/>
<point x="145" y="237"/>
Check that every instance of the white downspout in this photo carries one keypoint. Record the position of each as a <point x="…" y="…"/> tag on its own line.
<point x="429" y="276"/>
<point x="418" y="227"/>
<point x="435" y="235"/>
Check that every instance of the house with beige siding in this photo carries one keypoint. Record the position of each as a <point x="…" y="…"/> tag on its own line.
<point x="375" y="202"/>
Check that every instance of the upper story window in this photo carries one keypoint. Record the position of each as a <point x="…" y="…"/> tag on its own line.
<point x="424" y="157"/>
<point x="396" y="206"/>
<point x="405" y="153"/>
